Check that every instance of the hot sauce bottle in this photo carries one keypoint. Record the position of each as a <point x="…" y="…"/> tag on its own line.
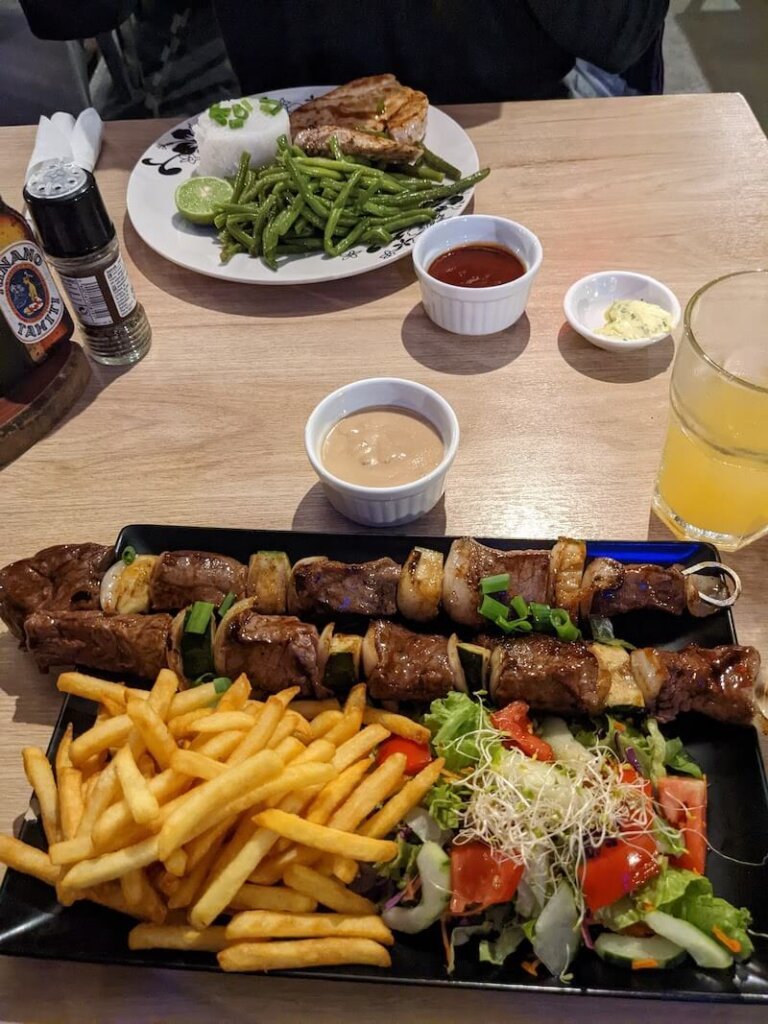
<point x="33" y="317"/>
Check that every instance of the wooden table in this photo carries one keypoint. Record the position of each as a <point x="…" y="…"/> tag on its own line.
<point x="557" y="437"/>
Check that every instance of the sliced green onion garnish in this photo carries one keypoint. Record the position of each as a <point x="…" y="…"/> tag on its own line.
<point x="562" y="625"/>
<point x="519" y="605"/>
<point x="226" y="604"/>
<point x="236" y="122"/>
<point x="208" y="677"/>
<point x="222" y="684"/>
<point x="494" y="584"/>
<point x="129" y="555"/>
<point x="270" y="106"/>
<point x="602" y="632"/>
<point x="492" y="609"/>
<point x="199" y="616"/>
<point x="247" y="104"/>
<point x="514" y="626"/>
<point x="239" y="110"/>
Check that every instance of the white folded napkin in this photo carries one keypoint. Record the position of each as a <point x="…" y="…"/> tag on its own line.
<point x="68" y="139"/>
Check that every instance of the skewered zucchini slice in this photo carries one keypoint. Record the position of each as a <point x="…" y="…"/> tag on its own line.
<point x="268" y="573"/>
<point x="190" y="654"/>
<point x="342" y="670"/>
<point x="421" y="584"/>
<point x="475" y="661"/>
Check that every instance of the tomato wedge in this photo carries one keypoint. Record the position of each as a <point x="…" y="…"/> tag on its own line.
<point x="619" y="867"/>
<point x="481" y="877"/>
<point x="684" y="805"/>
<point x="514" y="721"/>
<point x="417" y="755"/>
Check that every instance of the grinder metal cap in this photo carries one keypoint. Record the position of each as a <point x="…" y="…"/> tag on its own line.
<point x="65" y="203"/>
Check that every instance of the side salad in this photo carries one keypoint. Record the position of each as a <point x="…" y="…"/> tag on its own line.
<point x="544" y="838"/>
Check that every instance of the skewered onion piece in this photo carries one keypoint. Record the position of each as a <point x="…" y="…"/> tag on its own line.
<point x="421" y="584"/>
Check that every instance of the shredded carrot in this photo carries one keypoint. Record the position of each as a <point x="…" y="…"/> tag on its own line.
<point x="733" y="944"/>
<point x="643" y="965"/>
<point x="619" y="726"/>
<point x="531" y="967"/>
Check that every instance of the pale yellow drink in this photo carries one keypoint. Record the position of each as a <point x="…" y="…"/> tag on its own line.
<point x="713" y="479"/>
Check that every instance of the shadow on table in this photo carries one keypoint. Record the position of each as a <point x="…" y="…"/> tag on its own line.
<point x="440" y="350"/>
<point x="613" y="367"/>
<point x="473" y="114"/>
<point x="315" y="512"/>
<point x="32" y="689"/>
<point x="239" y="299"/>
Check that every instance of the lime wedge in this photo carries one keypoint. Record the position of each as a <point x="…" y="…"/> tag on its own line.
<point x="197" y="198"/>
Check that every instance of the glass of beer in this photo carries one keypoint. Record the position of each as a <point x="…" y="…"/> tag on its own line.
<point x="713" y="480"/>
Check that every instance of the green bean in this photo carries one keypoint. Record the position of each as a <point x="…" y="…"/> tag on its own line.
<point x="237" y="208"/>
<point x="242" y="174"/>
<point x="286" y="218"/>
<point x="337" y="209"/>
<point x="419" y="198"/>
<point x="335" y="148"/>
<point x="240" y="236"/>
<point x="429" y="173"/>
<point x="348" y="240"/>
<point x="407" y="219"/>
<point x="299" y="245"/>
<point x="260" y="221"/>
<point x="376" y="234"/>
<point x="269" y="243"/>
<point x="219" y="220"/>
<point x="433" y="160"/>
<point x="229" y="251"/>
<point x="302" y="228"/>
<point x="379" y="210"/>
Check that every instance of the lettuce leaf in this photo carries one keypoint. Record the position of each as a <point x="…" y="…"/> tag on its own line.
<point x="496" y="951"/>
<point x="678" y="759"/>
<point x="445" y="802"/>
<point x="454" y="722"/>
<point x="402" y="867"/>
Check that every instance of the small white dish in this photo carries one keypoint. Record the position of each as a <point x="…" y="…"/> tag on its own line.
<point x="476" y="311"/>
<point x="587" y="300"/>
<point x="383" y="506"/>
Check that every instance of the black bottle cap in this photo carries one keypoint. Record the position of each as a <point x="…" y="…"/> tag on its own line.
<point x="66" y="206"/>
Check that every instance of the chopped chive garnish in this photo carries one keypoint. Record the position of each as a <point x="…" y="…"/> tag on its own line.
<point x="248" y="105"/>
<point x="492" y="609"/>
<point x="236" y="122"/>
<point x="222" y="684"/>
<point x="514" y="626"/>
<point x="519" y="605"/>
<point x="129" y="555"/>
<point x="226" y="604"/>
<point x="562" y="625"/>
<point x="199" y="616"/>
<point x="239" y="110"/>
<point x="270" y="106"/>
<point x="494" y="584"/>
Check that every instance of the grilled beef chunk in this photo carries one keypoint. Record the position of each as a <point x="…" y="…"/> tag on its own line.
<point x="274" y="651"/>
<point x="408" y="666"/>
<point x="718" y="682"/>
<point x="469" y="561"/>
<point x="321" y="587"/>
<point x="643" y="588"/>
<point x="180" y="578"/>
<point x="65" y="577"/>
<point x="551" y="675"/>
<point x="130" y="644"/>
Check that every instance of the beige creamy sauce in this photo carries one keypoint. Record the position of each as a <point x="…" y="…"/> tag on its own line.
<point x="382" y="447"/>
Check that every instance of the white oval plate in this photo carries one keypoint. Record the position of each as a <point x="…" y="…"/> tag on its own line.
<point x="173" y="158"/>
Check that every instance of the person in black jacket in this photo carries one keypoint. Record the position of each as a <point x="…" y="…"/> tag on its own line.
<point x="457" y="51"/>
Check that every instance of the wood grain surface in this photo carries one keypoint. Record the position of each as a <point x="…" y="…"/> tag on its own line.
<point x="557" y="437"/>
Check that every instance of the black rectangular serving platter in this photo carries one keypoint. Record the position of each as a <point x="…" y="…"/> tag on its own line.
<point x="32" y="924"/>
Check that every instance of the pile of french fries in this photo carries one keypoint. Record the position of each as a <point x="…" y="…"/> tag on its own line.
<point x="222" y="823"/>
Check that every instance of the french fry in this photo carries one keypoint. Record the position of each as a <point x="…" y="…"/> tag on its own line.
<point x="93" y="766"/>
<point x="177" y="863"/>
<point x="190" y="886"/>
<point x="310" y="709"/>
<point x="62" y="759"/>
<point x="321" y="837"/>
<point x="39" y="774"/>
<point x="345" y="869"/>
<point x="105" y="791"/>
<point x="382" y="823"/>
<point x="70" y="851"/>
<point x="222" y="721"/>
<point x="23" y="857"/>
<point x="326" y="891"/>
<point x="190" y="819"/>
<point x="261" y="731"/>
<point x="398" y="725"/>
<point x="95" y="689"/>
<point x="132" y="888"/>
<point x="271" y="870"/>
<point x="110" y="866"/>
<point x="373" y="789"/>
<point x="110" y="708"/>
<point x="236" y="697"/>
<point x="336" y="792"/>
<point x="117" y="818"/>
<point x="71" y="805"/>
<point x="198" y="848"/>
<point x="181" y="725"/>
<point x="201" y="696"/>
<point x="141" y="801"/>
<point x="218" y="747"/>
<point x="146" y="765"/>
<point x="162" y="693"/>
<point x="111" y="732"/>
<point x="324" y="722"/>
<point x="274" y="897"/>
<point x="267" y="924"/>
<point x="352" y="716"/>
<point x="320" y="751"/>
<point x="197" y="766"/>
<point x="358" y="746"/>
<point x="165" y="883"/>
<point x="282" y="956"/>
<point x="290" y="749"/>
<point x="176" y="936"/>
<point x="154" y="731"/>
<point x="286" y="727"/>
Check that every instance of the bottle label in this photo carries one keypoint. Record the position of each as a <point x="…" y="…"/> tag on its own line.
<point x="29" y="299"/>
<point x="102" y="299"/>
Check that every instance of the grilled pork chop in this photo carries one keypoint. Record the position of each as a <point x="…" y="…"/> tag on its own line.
<point x="354" y="111"/>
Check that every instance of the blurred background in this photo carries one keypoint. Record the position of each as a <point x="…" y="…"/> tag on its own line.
<point x="165" y="57"/>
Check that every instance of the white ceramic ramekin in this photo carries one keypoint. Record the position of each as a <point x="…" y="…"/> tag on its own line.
<point x="383" y="506"/>
<point x="586" y="301"/>
<point x="476" y="311"/>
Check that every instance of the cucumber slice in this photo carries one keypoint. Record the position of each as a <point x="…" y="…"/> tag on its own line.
<point x="627" y="950"/>
<point x="474" y="660"/>
<point x="435" y="872"/>
<point x="705" y="951"/>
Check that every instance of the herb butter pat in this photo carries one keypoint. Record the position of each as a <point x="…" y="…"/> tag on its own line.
<point x="633" y="318"/>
